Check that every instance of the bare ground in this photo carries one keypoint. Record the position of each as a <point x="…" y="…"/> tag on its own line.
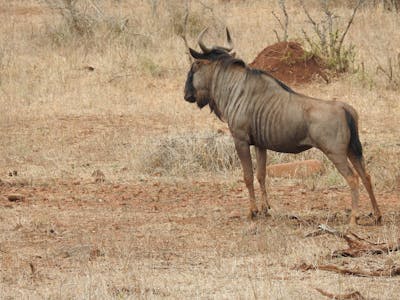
<point x="178" y="239"/>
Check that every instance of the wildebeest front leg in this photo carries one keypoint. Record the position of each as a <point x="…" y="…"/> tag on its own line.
<point x="243" y="151"/>
<point x="261" y="155"/>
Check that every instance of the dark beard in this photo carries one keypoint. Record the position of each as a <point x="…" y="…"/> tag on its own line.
<point x="203" y="102"/>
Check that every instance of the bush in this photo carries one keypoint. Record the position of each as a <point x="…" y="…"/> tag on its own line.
<point x="329" y="44"/>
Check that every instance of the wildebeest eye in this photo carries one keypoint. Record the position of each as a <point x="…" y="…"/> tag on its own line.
<point x="196" y="65"/>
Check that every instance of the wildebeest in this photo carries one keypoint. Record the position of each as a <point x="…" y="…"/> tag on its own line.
<point x="262" y="111"/>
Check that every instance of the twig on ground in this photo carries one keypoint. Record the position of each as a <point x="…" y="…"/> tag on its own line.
<point x="357" y="246"/>
<point x="354" y="295"/>
<point x="390" y="272"/>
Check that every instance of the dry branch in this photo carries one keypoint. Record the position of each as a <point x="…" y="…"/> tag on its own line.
<point x="390" y="272"/>
<point x="357" y="246"/>
<point x="349" y="23"/>
<point x="284" y="26"/>
<point x="322" y="229"/>
<point x="354" y="295"/>
<point x="185" y="25"/>
<point x="321" y="34"/>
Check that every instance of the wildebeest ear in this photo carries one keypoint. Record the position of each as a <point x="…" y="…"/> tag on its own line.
<point x="196" y="54"/>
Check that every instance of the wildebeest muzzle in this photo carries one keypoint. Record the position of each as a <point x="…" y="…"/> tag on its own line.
<point x="189" y="88"/>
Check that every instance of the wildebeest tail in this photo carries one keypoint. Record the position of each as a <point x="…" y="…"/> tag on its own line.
<point x="355" y="144"/>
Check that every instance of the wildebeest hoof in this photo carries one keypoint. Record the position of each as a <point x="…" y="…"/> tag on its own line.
<point x="253" y="214"/>
<point x="265" y="211"/>
<point x="378" y="220"/>
<point x="354" y="220"/>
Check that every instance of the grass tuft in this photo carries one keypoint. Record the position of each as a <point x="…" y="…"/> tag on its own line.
<point x="188" y="154"/>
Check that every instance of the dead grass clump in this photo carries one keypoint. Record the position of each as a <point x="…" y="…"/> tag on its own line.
<point x="194" y="24"/>
<point x="76" y="20"/>
<point x="84" y="23"/>
<point x="190" y="18"/>
<point x="187" y="154"/>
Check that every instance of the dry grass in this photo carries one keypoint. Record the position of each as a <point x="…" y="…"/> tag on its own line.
<point x="111" y="99"/>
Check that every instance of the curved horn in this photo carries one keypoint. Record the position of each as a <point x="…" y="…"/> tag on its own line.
<point x="200" y="41"/>
<point x="230" y="43"/>
<point x="205" y="49"/>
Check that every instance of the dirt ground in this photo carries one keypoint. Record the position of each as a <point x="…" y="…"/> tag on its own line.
<point x="156" y="238"/>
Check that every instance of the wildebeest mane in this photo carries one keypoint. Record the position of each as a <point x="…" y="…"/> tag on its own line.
<point x="281" y="84"/>
<point x="227" y="60"/>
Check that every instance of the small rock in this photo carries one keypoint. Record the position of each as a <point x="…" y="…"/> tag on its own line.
<point x="88" y="68"/>
<point x="15" y="197"/>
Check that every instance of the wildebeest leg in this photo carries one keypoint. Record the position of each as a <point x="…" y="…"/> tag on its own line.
<point x="359" y="165"/>
<point x="261" y="155"/>
<point x="243" y="151"/>
<point x="342" y="164"/>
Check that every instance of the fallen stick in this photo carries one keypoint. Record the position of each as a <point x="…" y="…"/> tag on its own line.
<point x="357" y="246"/>
<point x="393" y="271"/>
<point x="354" y="295"/>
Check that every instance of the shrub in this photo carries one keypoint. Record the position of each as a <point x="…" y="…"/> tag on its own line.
<point x="329" y="44"/>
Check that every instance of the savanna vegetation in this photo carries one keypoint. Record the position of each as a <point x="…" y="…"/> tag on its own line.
<point x="126" y="191"/>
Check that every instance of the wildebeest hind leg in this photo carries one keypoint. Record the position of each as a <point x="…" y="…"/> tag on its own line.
<point x="342" y="164"/>
<point x="261" y="155"/>
<point x="359" y="166"/>
<point x="243" y="151"/>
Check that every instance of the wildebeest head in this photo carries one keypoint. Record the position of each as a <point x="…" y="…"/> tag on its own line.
<point x="197" y="87"/>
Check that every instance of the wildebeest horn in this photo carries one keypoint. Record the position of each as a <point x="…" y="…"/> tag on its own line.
<point x="230" y="43"/>
<point x="205" y="49"/>
<point x="200" y="41"/>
